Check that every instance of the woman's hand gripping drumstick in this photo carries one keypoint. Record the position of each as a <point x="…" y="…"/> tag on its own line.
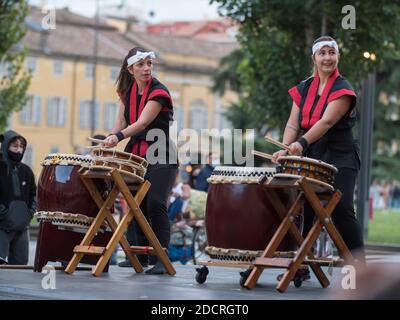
<point x="277" y="143"/>
<point x="273" y="157"/>
<point x="109" y="142"/>
<point x="96" y="143"/>
<point x="279" y="153"/>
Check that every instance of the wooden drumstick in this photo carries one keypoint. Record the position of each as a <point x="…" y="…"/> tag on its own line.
<point x="262" y="154"/>
<point x="96" y="140"/>
<point x="277" y="143"/>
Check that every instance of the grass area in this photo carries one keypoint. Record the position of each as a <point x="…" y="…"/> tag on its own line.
<point x="34" y="222"/>
<point x="385" y="227"/>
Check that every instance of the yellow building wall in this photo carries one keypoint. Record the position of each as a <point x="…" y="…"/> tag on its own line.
<point x="180" y="59"/>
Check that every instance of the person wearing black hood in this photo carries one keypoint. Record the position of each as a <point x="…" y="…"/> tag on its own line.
<point x="17" y="200"/>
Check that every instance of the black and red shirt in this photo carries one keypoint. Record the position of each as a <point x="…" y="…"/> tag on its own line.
<point x="134" y="106"/>
<point x="337" y="146"/>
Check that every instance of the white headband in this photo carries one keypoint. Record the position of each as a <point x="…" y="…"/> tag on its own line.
<point x="139" y="56"/>
<point x="319" y="45"/>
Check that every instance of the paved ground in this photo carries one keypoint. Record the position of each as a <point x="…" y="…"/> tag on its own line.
<point x="124" y="283"/>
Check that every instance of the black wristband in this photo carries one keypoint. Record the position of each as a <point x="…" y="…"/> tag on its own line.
<point x="120" y="136"/>
<point x="303" y="142"/>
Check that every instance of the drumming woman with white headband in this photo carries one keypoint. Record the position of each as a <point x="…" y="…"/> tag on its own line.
<point x="320" y="127"/>
<point x="146" y="108"/>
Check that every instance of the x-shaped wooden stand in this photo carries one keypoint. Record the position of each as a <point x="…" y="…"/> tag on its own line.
<point x="323" y="214"/>
<point x="118" y="230"/>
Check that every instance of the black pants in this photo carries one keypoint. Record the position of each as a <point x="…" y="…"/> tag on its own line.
<point x="15" y="246"/>
<point x="343" y="216"/>
<point x="154" y="208"/>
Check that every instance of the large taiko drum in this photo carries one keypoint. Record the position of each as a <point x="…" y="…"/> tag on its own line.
<point x="60" y="188"/>
<point x="240" y="220"/>
<point x="65" y="210"/>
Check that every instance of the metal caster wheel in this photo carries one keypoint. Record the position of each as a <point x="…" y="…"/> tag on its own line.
<point x="243" y="277"/>
<point x="297" y="281"/>
<point x="201" y="275"/>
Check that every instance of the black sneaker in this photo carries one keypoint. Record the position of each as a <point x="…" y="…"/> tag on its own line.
<point x="124" y="264"/>
<point x="3" y="261"/>
<point x="127" y="264"/>
<point x="157" y="269"/>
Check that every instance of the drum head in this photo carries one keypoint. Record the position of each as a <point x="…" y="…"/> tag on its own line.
<point x="132" y="168"/>
<point x="308" y="160"/>
<point x="106" y="152"/>
<point x="318" y="186"/>
<point x="239" y="175"/>
<point x="66" y="159"/>
<point x="68" y="221"/>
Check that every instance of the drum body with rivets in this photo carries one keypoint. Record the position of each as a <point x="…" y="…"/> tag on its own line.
<point x="65" y="210"/>
<point x="238" y="213"/>
<point x="60" y="188"/>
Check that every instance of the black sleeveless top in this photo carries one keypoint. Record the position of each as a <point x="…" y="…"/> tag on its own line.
<point x="337" y="146"/>
<point x="140" y="144"/>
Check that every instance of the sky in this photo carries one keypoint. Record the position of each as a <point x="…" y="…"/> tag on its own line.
<point x="164" y="10"/>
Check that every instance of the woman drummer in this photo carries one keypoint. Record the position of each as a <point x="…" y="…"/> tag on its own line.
<point x="146" y="111"/>
<point x="320" y="127"/>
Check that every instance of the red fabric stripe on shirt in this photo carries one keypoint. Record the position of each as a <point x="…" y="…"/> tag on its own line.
<point x="144" y="97"/>
<point x="135" y="148"/>
<point x="295" y="94"/>
<point x="143" y="148"/>
<point x="160" y="93"/>
<point x="342" y="92"/>
<point x="132" y="104"/>
<point x="310" y="119"/>
<point x="317" y="113"/>
<point x="311" y="94"/>
<point x="133" y="117"/>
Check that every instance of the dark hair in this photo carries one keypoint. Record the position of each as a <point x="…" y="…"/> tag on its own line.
<point x="21" y="139"/>
<point x="124" y="80"/>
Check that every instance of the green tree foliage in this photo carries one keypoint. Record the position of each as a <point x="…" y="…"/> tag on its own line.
<point x="276" y="38"/>
<point x="14" y="82"/>
<point x="386" y="138"/>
